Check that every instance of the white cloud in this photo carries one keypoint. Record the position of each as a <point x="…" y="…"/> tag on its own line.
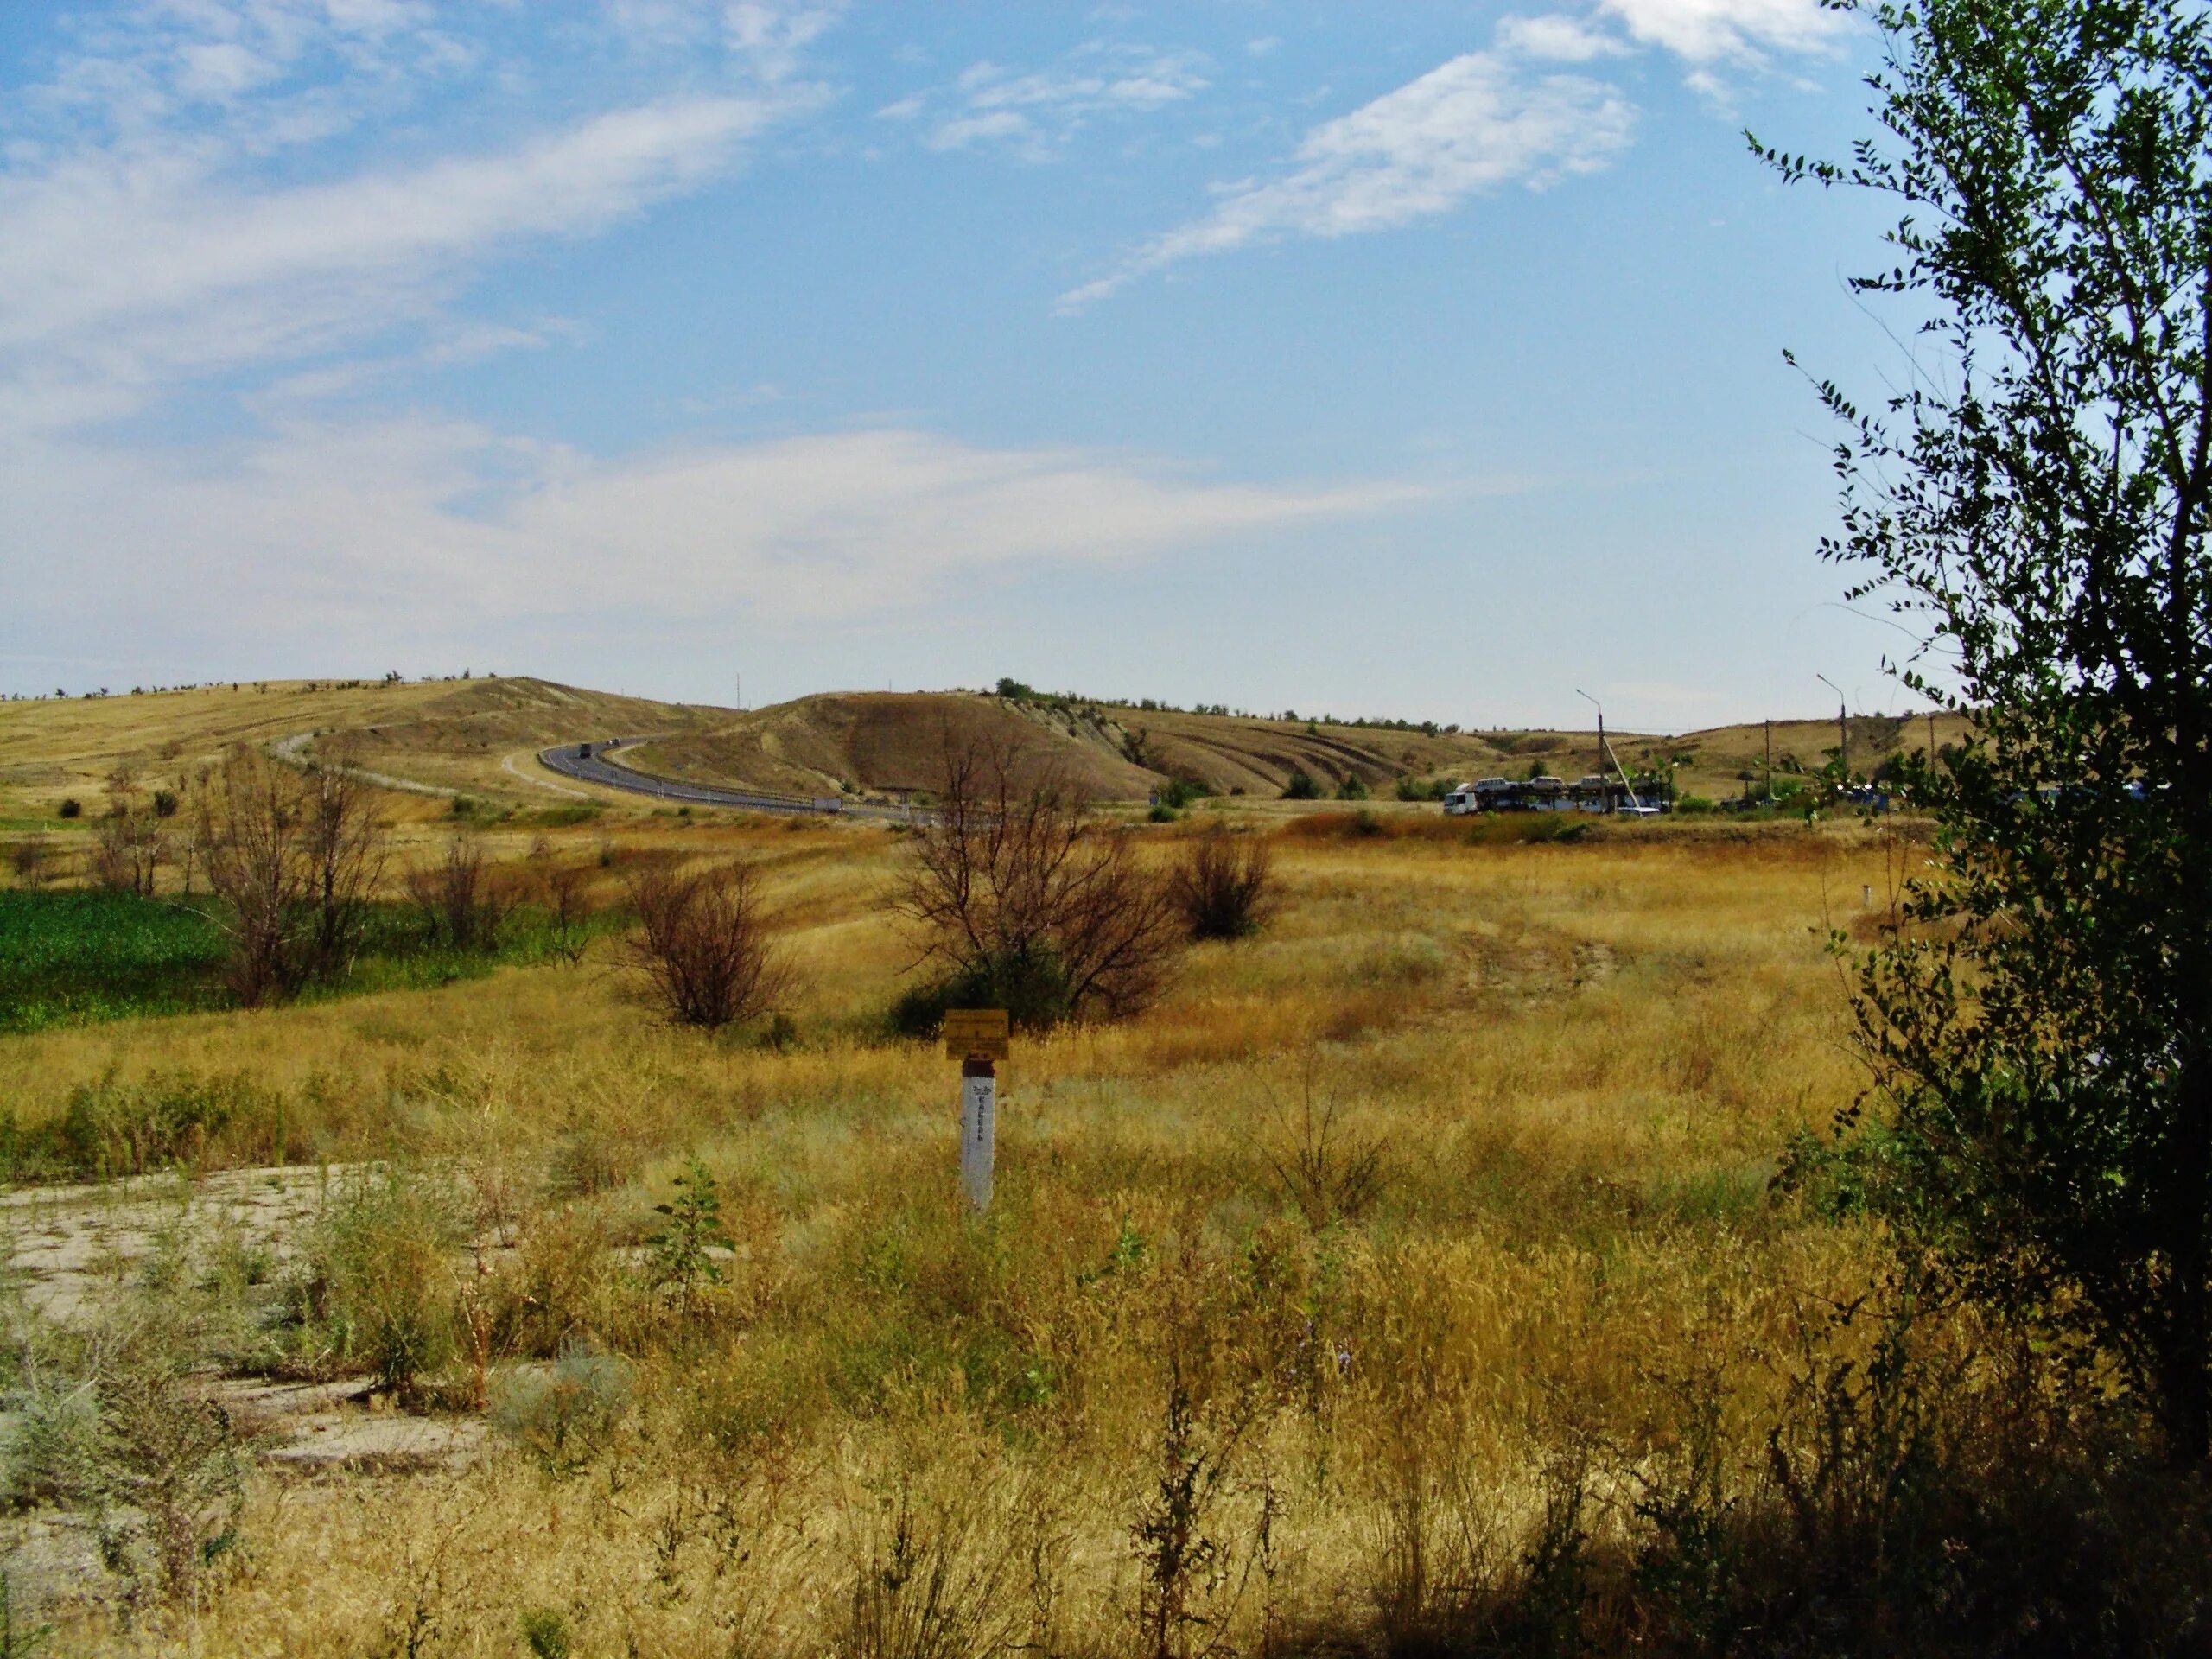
<point x="336" y="532"/>
<point x="963" y="131"/>
<point x="1558" y="38"/>
<point x="1472" y="125"/>
<point x="1738" y="31"/>
<point x="147" y="242"/>
<point x="135" y="266"/>
<point x="1033" y="112"/>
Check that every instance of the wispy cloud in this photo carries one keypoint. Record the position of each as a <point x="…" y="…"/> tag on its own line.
<point x="1479" y="122"/>
<point x="511" y="533"/>
<point x="150" y="240"/>
<point x="1033" y="112"/>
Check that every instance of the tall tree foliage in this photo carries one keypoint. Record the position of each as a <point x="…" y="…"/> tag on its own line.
<point x="2035" y="502"/>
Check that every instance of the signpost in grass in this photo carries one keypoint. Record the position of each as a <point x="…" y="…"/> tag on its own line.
<point x="978" y="1038"/>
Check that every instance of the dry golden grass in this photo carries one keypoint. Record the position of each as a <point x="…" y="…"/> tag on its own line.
<point x="897" y="1430"/>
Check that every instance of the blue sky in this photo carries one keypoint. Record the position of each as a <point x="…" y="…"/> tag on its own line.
<point x="1420" y="359"/>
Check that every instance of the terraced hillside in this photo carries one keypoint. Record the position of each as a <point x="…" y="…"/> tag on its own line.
<point x="882" y="741"/>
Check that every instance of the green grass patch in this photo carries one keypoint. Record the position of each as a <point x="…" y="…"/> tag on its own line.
<point x="77" y="958"/>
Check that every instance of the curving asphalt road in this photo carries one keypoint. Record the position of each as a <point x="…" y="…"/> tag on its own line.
<point x="582" y="761"/>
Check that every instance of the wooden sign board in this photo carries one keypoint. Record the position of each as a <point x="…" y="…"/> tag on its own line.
<point x="976" y="1032"/>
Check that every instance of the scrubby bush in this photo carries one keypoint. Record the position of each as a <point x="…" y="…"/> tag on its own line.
<point x="463" y="905"/>
<point x="1023" y="902"/>
<point x="1223" y="886"/>
<point x="562" y="1416"/>
<point x="32" y="860"/>
<point x="1353" y="788"/>
<point x="704" y="946"/>
<point x="1301" y="786"/>
<point x="376" y="1288"/>
<point x="71" y="807"/>
<point x="1032" y="986"/>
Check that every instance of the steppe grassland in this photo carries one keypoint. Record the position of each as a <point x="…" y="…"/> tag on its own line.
<point x="1578" y="1064"/>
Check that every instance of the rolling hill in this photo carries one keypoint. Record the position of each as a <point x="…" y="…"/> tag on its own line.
<point x="481" y="736"/>
<point x="477" y="735"/>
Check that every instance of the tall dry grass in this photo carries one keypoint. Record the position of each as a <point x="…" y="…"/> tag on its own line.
<point x="1411" y="1277"/>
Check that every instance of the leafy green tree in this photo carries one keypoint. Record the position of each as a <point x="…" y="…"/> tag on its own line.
<point x="2035" y="502"/>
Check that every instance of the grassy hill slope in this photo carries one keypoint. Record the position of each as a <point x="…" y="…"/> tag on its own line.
<point x="480" y="737"/>
<point x="448" y="734"/>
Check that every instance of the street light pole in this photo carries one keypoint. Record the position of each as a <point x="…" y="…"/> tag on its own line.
<point x="1842" y="732"/>
<point x="1604" y="752"/>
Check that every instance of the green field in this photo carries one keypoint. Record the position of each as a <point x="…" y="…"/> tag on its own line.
<point x="75" y="958"/>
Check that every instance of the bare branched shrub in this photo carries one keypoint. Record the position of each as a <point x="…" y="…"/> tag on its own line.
<point x="32" y="861"/>
<point x="705" y="945"/>
<point x="128" y="847"/>
<point x="1025" y="902"/>
<point x="343" y="844"/>
<point x="463" y="902"/>
<point x="1224" y="885"/>
<point x="564" y="890"/>
<point x="248" y="830"/>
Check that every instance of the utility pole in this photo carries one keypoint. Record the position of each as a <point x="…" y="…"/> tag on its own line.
<point x="1769" y="763"/>
<point x="1842" y="732"/>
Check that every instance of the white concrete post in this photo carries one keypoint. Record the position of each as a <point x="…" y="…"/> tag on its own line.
<point x="979" y="1101"/>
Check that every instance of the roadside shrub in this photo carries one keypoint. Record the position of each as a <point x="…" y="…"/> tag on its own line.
<point x="1224" y="884"/>
<point x="564" y="890"/>
<point x="1319" y="1165"/>
<point x="1161" y="813"/>
<point x="1423" y="789"/>
<point x="1692" y="805"/>
<point x="703" y="945"/>
<point x="1301" y="786"/>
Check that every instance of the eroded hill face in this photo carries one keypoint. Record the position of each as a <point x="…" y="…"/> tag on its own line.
<point x="884" y="742"/>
